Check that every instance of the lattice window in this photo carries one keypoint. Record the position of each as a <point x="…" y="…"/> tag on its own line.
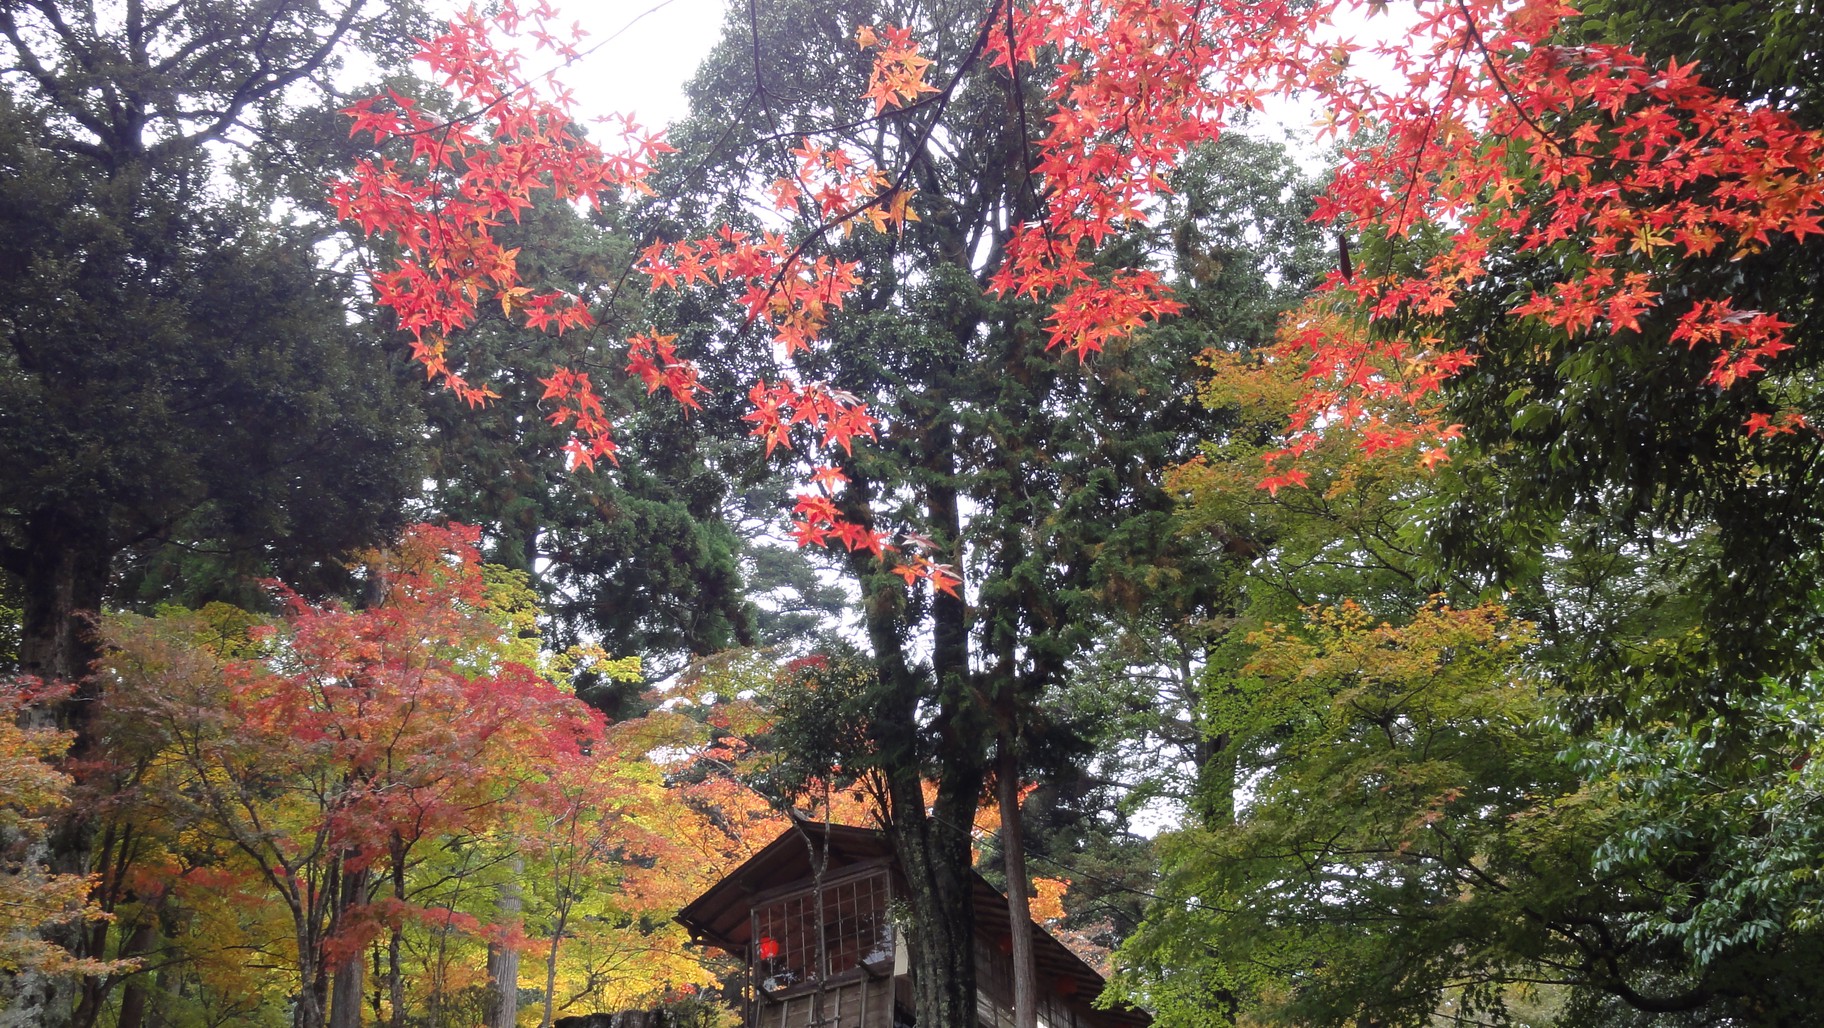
<point x="798" y="939"/>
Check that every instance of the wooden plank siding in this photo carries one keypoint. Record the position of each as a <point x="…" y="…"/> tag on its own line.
<point x="862" y="1003"/>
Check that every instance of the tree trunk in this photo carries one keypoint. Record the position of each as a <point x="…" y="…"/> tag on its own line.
<point x="1019" y="912"/>
<point x="133" y="993"/>
<point x="63" y="572"/>
<point x="503" y="982"/>
<point x="346" y="992"/>
<point x="934" y="855"/>
<point x="933" y="848"/>
<point x="313" y="984"/>
<point x="503" y="961"/>
<point x="557" y="936"/>
<point x="1213" y="794"/>
<point x="395" y="978"/>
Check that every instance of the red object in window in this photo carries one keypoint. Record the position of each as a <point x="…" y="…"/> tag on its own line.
<point x="769" y="948"/>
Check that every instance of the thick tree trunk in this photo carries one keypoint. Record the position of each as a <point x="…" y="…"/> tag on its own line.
<point x="934" y="855"/>
<point x="1019" y="912"/>
<point x="345" y="993"/>
<point x="914" y="727"/>
<point x="63" y="572"/>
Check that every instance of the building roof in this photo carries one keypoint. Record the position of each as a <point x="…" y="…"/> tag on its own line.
<point x="720" y="916"/>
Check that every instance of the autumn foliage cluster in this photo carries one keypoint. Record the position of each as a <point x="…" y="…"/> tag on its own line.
<point x="1485" y="131"/>
<point x="373" y="804"/>
<point x="378" y="798"/>
<point x="350" y="791"/>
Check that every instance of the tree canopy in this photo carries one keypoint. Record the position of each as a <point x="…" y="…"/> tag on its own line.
<point x="980" y="429"/>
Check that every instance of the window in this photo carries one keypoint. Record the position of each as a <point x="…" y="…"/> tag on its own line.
<point x="800" y="938"/>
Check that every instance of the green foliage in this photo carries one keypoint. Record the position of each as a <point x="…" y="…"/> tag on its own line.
<point x="12" y="619"/>
<point x="640" y="558"/>
<point x="182" y="386"/>
<point x="1766" y="52"/>
<point x="1386" y="772"/>
<point x="1751" y="815"/>
<point x="1639" y="851"/>
<point x="821" y="708"/>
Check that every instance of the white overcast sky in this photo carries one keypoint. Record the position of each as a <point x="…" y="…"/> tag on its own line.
<point x="648" y="48"/>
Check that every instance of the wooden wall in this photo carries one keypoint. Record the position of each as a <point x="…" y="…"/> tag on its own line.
<point x="861" y="1003"/>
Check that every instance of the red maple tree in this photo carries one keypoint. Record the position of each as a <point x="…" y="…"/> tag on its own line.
<point x="351" y="737"/>
<point x="1486" y="132"/>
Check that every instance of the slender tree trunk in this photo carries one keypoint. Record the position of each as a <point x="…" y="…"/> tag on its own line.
<point x="395" y="980"/>
<point x="94" y="988"/>
<point x="313" y="984"/>
<point x="557" y="936"/>
<point x="1019" y="912"/>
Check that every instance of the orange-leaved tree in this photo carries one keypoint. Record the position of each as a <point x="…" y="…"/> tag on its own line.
<point x="33" y="898"/>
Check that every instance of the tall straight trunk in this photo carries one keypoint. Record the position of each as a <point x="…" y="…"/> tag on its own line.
<point x="395" y="978"/>
<point x="503" y="961"/>
<point x="62" y="570"/>
<point x="133" y="993"/>
<point x="345" y="992"/>
<point x="1019" y="913"/>
<point x="351" y="974"/>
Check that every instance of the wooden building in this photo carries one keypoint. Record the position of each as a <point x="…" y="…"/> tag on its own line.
<point x="812" y="915"/>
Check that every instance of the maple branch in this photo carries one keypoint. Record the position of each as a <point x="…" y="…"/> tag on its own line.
<point x="1474" y="35"/>
<point x="1418" y="154"/>
<point x="1019" y="101"/>
<point x="872" y="119"/>
<point x="941" y="101"/>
